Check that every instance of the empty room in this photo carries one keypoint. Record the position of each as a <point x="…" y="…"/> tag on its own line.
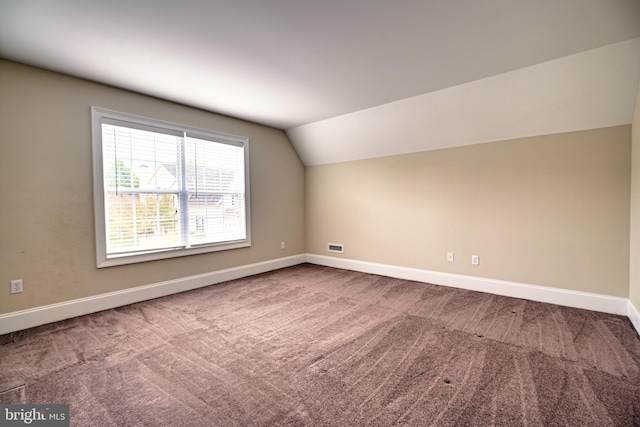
<point x="316" y="213"/>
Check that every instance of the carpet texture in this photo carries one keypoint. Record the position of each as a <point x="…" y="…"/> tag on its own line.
<point x="311" y="345"/>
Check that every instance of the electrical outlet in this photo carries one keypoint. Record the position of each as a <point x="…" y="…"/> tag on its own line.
<point x="475" y="260"/>
<point x="16" y="286"/>
<point x="450" y="256"/>
<point x="282" y="245"/>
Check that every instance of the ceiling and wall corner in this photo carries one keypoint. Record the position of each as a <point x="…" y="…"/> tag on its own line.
<point x="353" y="80"/>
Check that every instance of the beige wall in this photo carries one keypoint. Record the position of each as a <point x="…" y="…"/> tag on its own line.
<point x="47" y="233"/>
<point x="634" y="273"/>
<point x="550" y="211"/>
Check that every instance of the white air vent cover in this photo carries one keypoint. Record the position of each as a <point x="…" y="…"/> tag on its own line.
<point x="335" y="247"/>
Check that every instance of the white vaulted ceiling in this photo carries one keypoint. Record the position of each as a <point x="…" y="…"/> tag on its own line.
<point x="353" y="79"/>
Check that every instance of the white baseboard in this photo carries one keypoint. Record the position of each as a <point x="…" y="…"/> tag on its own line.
<point x="29" y="318"/>
<point x="589" y="301"/>
<point x="634" y="316"/>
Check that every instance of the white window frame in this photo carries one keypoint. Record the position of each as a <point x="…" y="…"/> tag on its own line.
<point x="98" y="115"/>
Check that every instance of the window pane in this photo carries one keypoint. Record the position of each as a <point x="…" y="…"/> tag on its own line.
<point x="215" y="182"/>
<point x="214" y="167"/>
<point x="139" y="159"/>
<point x="137" y="222"/>
<point x="216" y="218"/>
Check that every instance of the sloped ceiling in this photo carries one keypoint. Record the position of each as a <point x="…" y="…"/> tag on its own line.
<point x="583" y="91"/>
<point x="353" y="79"/>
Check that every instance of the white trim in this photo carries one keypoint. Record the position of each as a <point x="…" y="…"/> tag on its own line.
<point x="589" y="301"/>
<point x="634" y="316"/>
<point x="29" y="318"/>
<point x="19" y="320"/>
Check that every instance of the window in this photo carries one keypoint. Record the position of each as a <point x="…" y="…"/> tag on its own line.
<point x="164" y="190"/>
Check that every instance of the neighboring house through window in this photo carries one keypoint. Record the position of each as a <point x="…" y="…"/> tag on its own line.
<point x="164" y="190"/>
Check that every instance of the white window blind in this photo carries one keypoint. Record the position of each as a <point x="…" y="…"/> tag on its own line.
<point x="166" y="190"/>
<point x="215" y="187"/>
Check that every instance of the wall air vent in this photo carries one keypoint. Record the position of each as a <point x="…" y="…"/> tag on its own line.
<point x="335" y="247"/>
